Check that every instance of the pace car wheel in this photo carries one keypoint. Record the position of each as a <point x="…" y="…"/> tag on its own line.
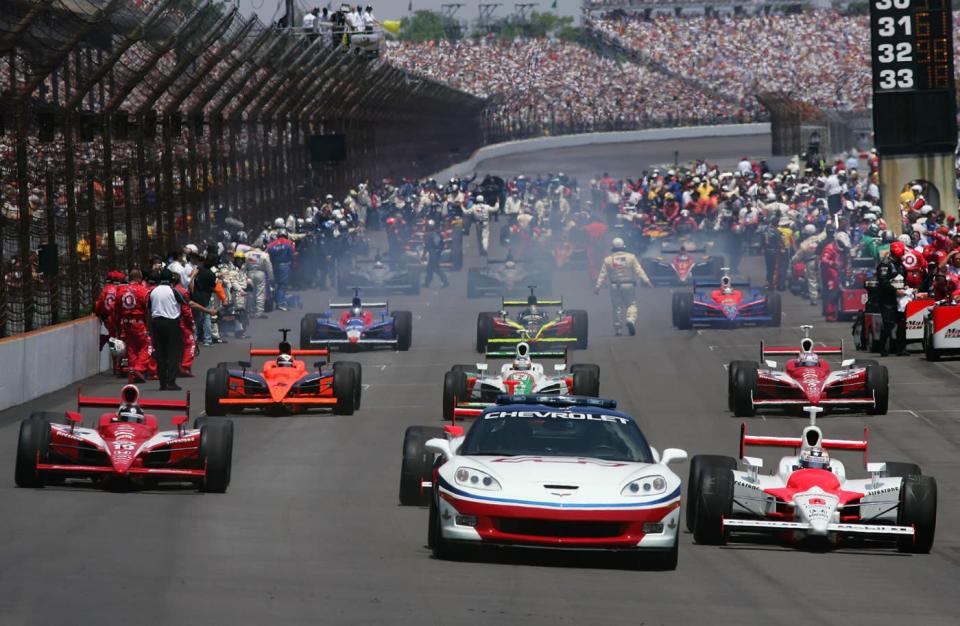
<point x="714" y="505"/>
<point x="473" y="282"/>
<point x="878" y="384"/>
<point x="484" y="330"/>
<point x="744" y="389"/>
<point x="663" y="560"/>
<point x="700" y="465"/>
<point x="774" y="309"/>
<point x="901" y="469"/>
<point x="684" y="311"/>
<point x="454" y="391"/>
<point x="344" y="390"/>
<point x="580" y="328"/>
<point x="586" y="379"/>
<point x="308" y="325"/>
<point x="417" y="465"/>
<point x="32" y="448"/>
<point x="216" y="455"/>
<point x="403" y="326"/>
<point x="357" y="370"/>
<point x="218" y="380"/>
<point x="918" y="508"/>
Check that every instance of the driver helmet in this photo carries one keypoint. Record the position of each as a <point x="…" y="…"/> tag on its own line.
<point x="129" y="413"/>
<point x="532" y="312"/>
<point x="725" y="285"/>
<point x="815" y="458"/>
<point x="522" y="363"/>
<point x="285" y="360"/>
<point x="356" y="311"/>
<point x="808" y="359"/>
<point x="897" y="249"/>
<point x="617" y="244"/>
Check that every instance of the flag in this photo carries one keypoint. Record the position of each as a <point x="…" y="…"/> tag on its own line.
<point x="392" y="26"/>
<point x="410" y="7"/>
<point x="554" y="5"/>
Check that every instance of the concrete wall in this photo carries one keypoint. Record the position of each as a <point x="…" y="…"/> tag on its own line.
<point x="45" y="360"/>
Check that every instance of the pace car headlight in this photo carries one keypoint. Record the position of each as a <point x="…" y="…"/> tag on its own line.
<point x="475" y="479"/>
<point x="646" y="486"/>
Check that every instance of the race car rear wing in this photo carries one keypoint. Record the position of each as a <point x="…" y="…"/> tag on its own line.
<point x="556" y="302"/>
<point x="366" y="305"/>
<point x="106" y="402"/>
<point x="766" y="351"/>
<point x="797" y="442"/>
<point x="276" y="352"/>
<point x="512" y="341"/>
<point x="715" y="284"/>
<point x="509" y="354"/>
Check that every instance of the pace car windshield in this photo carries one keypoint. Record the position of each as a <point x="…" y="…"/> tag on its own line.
<point x="553" y="432"/>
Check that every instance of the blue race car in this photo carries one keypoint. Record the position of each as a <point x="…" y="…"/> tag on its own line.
<point x="358" y="326"/>
<point x="723" y="304"/>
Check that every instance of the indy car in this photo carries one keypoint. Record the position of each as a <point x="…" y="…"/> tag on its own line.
<point x="506" y="278"/>
<point x="806" y="379"/>
<point x="378" y="278"/>
<point x="809" y="497"/>
<point x="469" y="388"/>
<point x="726" y="303"/>
<point x="545" y="471"/>
<point x="941" y="330"/>
<point x="452" y="255"/>
<point x="124" y="447"/>
<point x="284" y="384"/>
<point x="532" y="325"/>
<point x="684" y="265"/>
<point x="360" y="325"/>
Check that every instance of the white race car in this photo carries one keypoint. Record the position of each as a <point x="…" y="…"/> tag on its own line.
<point x="546" y="471"/>
<point x="809" y="498"/>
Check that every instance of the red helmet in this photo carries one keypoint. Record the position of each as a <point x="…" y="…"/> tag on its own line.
<point x="897" y="249"/>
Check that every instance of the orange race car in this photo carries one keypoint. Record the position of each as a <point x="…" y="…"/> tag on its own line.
<point x="284" y="384"/>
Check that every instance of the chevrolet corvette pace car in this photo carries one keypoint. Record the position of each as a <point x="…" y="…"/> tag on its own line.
<point x="359" y="326"/>
<point x="683" y="266"/>
<point x="532" y="324"/>
<point x="467" y="390"/>
<point x="284" y="384"/>
<point x="809" y="496"/>
<point x="546" y="472"/>
<point x="806" y="379"/>
<point x="724" y="305"/>
<point x="125" y="447"/>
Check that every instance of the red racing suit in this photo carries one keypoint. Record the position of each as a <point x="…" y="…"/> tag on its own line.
<point x="187" y="331"/>
<point x="130" y="317"/>
<point x="831" y="262"/>
<point x="104" y="308"/>
<point x="914" y="269"/>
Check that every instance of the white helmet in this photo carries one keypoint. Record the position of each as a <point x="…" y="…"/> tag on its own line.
<point x="815" y="458"/>
<point x="279" y="222"/>
<point x="809" y="230"/>
<point x="618" y="244"/>
<point x="479" y="198"/>
<point x="905" y="239"/>
<point x="118" y="349"/>
<point x="284" y="360"/>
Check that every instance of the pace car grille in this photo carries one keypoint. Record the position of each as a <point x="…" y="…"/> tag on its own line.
<point x="557" y="528"/>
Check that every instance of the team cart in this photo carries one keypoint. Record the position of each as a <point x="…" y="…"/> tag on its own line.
<point x="941" y="331"/>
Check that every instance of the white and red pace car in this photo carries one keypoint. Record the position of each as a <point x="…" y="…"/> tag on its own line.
<point x="809" y="497"/>
<point x="546" y="471"/>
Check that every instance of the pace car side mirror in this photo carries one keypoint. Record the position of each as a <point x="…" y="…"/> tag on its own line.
<point x="439" y="446"/>
<point x="673" y="455"/>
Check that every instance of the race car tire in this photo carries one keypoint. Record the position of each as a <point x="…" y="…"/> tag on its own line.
<point x="216" y="455"/>
<point x="684" y="311"/>
<point x="454" y="390"/>
<point x="403" y="326"/>
<point x="580" y="328"/>
<point x="774" y="309"/>
<point x="675" y="297"/>
<point x="218" y="379"/>
<point x="456" y="249"/>
<point x="32" y="448"/>
<point x="878" y="384"/>
<point x="484" y="330"/>
<point x="463" y="368"/>
<point x="700" y="464"/>
<point x="473" y="280"/>
<point x="198" y="422"/>
<point x="900" y="469"/>
<point x="357" y="377"/>
<point x="586" y="379"/>
<point x="345" y="391"/>
<point x="308" y="325"/>
<point x="417" y="465"/>
<point x="928" y="350"/>
<point x="744" y="389"/>
<point x="731" y="381"/>
<point x="918" y="508"/>
<point x="714" y="504"/>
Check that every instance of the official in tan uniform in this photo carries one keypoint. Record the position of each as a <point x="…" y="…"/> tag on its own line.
<point x="622" y="270"/>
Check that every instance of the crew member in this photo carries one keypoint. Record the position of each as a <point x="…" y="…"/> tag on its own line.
<point x="165" y="311"/>
<point x="623" y="270"/>
<point x="130" y="317"/>
<point x="188" y="333"/>
<point x="433" y="248"/>
<point x="888" y="271"/>
<point x="481" y="215"/>
<point x="104" y="307"/>
<point x="281" y="251"/>
<point x="260" y="272"/>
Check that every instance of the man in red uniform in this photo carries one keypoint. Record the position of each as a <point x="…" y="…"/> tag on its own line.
<point x="104" y="307"/>
<point x="130" y="317"/>
<point x="831" y="262"/>
<point x="187" y="332"/>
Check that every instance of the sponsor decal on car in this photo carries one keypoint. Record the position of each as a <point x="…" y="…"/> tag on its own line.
<point x="564" y="415"/>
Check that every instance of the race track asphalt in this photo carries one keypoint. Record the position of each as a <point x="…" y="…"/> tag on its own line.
<point x="310" y="531"/>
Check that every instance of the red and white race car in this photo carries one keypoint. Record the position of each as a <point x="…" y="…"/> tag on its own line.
<point x="809" y="496"/>
<point x="941" y="330"/>
<point x="806" y="379"/>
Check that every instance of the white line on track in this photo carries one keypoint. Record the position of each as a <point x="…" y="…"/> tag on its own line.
<point x="916" y="415"/>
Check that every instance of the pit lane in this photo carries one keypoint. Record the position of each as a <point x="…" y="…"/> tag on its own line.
<point x="310" y="531"/>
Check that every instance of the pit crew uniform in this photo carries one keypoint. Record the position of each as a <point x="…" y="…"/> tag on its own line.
<point x="260" y="271"/>
<point x="130" y="316"/>
<point x="188" y="333"/>
<point x="104" y="308"/>
<point x="622" y="270"/>
<point x="481" y="214"/>
<point x="281" y="251"/>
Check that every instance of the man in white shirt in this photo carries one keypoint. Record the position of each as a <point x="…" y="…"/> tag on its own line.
<point x="164" y="305"/>
<point x="310" y="23"/>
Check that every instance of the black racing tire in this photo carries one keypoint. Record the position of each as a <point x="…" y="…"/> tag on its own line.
<point x="901" y="469"/>
<point x="700" y="464"/>
<point x="774" y="308"/>
<point x="216" y="455"/>
<point x="403" y="326"/>
<point x="344" y="390"/>
<point x="454" y="391"/>
<point x="580" y="328"/>
<point x="484" y="330"/>
<point x="918" y="508"/>
<point x="744" y="389"/>
<point x="456" y="250"/>
<point x="714" y="504"/>
<point x="417" y="465"/>
<point x="473" y="279"/>
<point x="199" y="422"/>
<point x="878" y="384"/>
<point x="308" y="325"/>
<point x="586" y="379"/>
<point x="684" y="311"/>
<point x="928" y="350"/>
<point x="357" y="377"/>
<point x="218" y="381"/>
<point x="731" y="381"/>
<point x="675" y="296"/>
<point x="459" y="367"/>
<point x="33" y="447"/>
